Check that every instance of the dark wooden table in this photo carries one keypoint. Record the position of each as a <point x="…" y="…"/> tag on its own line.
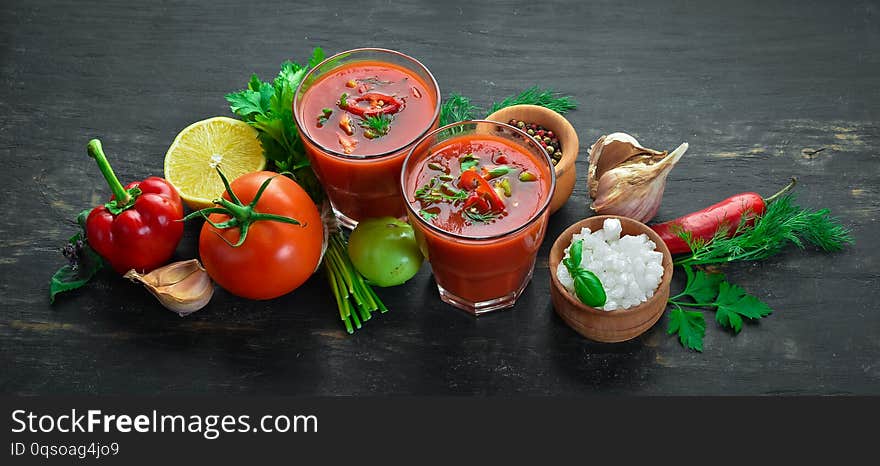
<point x="752" y="86"/>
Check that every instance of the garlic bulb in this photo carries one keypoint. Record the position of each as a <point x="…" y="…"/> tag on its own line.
<point x="183" y="287"/>
<point x="627" y="179"/>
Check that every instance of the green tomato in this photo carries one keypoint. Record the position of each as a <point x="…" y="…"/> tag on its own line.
<point x="384" y="251"/>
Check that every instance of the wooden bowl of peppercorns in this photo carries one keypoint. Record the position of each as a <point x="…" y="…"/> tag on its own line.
<point x="556" y="136"/>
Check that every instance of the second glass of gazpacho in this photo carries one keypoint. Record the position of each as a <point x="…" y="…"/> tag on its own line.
<point x="359" y="112"/>
<point x="477" y="194"/>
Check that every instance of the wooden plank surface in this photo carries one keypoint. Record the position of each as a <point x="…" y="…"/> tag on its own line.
<point x="750" y="85"/>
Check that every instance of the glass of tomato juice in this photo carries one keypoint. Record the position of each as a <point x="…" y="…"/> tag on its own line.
<point x="477" y="194"/>
<point x="359" y="112"/>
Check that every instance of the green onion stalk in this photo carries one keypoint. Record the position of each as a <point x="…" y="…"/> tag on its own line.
<point x="348" y="285"/>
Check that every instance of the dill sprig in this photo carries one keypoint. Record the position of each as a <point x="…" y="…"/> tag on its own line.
<point x="376" y="125"/>
<point x="782" y="224"/>
<point x="456" y="108"/>
<point x="435" y="191"/>
<point x="459" y="108"/>
<point x="547" y="98"/>
<point x="482" y="217"/>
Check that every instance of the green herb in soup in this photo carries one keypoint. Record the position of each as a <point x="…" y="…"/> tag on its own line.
<point x="480" y="185"/>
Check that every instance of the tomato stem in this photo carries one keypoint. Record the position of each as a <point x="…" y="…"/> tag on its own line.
<point x="96" y="151"/>
<point x="241" y="216"/>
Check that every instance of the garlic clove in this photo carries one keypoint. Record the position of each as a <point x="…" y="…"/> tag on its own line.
<point x="183" y="287"/>
<point x="634" y="187"/>
<point x="613" y="150"/>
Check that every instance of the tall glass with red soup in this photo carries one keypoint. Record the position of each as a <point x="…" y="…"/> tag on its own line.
<point x="359" y="112"/>
<point x="477" y="195"/>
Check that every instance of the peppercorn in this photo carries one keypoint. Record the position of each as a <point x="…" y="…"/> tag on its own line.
<point x="543" y="136"/>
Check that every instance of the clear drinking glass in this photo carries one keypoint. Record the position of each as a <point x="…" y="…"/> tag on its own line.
<point x="479" y="273"/>
<point x="362" y="186"/>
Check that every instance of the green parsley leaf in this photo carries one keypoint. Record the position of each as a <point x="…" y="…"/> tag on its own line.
<point x="702" y="286"/>
<point x="690" y="327"/>
<point x="376" y="125"/>
<point x="711" y="291"/>
<point x="246" y="103"/>
<point x="734" y="304"/>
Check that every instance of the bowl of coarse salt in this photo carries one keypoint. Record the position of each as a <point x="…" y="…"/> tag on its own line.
<point x="634" y="267"/>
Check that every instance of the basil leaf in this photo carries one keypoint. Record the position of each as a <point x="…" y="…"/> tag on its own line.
<point x="589" y="289"/>
<point x="88" y="263"/>
<point x="575" y="253"/>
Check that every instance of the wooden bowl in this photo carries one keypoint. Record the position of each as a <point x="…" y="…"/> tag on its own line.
<point x="609" y="326"/>
<point x="568" y="139"/>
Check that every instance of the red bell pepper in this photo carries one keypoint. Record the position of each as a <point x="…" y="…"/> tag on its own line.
<point x="140" y="227"/>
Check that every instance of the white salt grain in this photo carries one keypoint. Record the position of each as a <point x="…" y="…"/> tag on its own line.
<point x="628" y="266"/>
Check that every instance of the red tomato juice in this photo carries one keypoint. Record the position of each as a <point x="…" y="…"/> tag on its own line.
<point x="479" y="211"/>
<point x="359" y="120"/>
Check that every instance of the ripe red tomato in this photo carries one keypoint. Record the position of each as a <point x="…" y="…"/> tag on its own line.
<point x="275" y="258"/>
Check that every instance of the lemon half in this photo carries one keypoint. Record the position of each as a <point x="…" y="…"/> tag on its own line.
<point x="219" y="142"/>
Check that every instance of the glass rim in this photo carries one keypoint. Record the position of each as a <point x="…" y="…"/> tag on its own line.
<point x="535" y="216"/>
<point x="297" y="94"/>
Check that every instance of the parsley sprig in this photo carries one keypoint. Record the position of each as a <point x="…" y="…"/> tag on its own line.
<point x="710" y="291"/>
<point x="268" y="107"/>
<point x="376" y="126"/>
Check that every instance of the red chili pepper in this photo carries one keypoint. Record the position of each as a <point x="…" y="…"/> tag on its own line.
<point x="472" y="181"/>
<point x="478" y="201"/>
<point x="140" y="227"/>
<point x="705" y="223"/>
<point x="390" y="105"/>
